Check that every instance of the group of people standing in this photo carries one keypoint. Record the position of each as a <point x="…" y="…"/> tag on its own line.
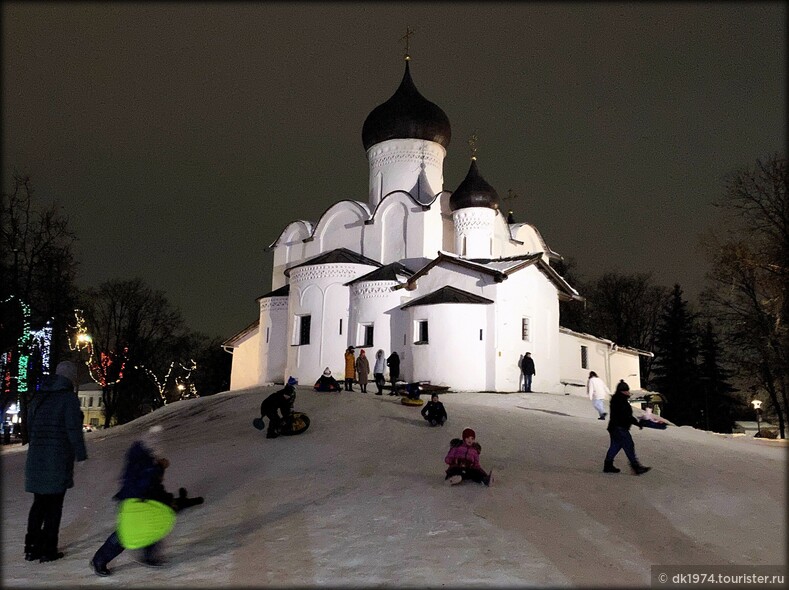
<point x="358" y="369"/>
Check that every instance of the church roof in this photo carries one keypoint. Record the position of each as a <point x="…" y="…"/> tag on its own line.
<point x="406" y="115"/>
<point x="390" y="272"/>
<point x="338" y="255"/>
<point x="235" y="338"/>
<point x="474" y="191"/>
<point x="500" y="269"/>
<point x="448" y="294"/>
<point x="281" y="292"/>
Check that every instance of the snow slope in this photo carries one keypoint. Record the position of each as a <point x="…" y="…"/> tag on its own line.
<point x="360" y="499"/>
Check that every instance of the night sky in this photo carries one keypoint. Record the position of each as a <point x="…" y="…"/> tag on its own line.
<point x="181" y="138"/>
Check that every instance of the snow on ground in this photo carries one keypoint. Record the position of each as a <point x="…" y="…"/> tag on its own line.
<point x="360" y="499"/>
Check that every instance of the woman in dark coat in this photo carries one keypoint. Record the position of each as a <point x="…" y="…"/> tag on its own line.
<point x="619" y="430"/>
<point x="56" y="440"/>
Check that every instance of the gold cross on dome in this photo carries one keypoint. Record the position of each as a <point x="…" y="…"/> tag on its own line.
<point x="407" y="38"/>
<point x="472" y="143"/>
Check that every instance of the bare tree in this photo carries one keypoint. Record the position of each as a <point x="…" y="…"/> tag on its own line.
<point x="37" y="271"/>
<point x="749" y="291"/>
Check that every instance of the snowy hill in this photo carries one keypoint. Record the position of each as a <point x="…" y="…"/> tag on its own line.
<point x="360" y="498"/>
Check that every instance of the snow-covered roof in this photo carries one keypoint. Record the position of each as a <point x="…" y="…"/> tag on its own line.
<point x="234" y="339"/>
<point x="389" y="272"/>
<point x="283" y="291"/>
<point x="500" y="269"/>
<point x="611" y="343"/>
<point x="448" y="294"/>
<point x="338" y="255"/>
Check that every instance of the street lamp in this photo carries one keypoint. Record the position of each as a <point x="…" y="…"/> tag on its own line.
<point x="757" y="405"/>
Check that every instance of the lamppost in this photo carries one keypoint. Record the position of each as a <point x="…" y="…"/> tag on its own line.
<point x="757" y="405"/>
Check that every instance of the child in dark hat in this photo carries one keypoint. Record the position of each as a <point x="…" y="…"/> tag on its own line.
<point x="463" y="460"/>
<point x="278" y="406"/>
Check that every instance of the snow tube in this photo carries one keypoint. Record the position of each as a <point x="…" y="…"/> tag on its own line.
<point x="296" y="423"/>
<point x="143" y="522"/>
<point x="407" y="401"/>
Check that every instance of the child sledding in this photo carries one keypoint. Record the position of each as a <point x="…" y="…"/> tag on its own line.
<point x="278" y="408"/>
<point x="463" y="461"/>
<point x="146" y="513"/>
<point x="434" y="411"/>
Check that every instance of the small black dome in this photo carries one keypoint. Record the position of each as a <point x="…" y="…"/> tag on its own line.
<point x="407" y="115"/>
<point x="474" y="192"/>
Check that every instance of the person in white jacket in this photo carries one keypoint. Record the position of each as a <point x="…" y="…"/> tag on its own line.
<point x="598" y="391"/>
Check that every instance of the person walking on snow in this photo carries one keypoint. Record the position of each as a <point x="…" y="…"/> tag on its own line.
<point x="350" y="368"/>
<point x="598" y="392"/>
<point x="463" y="460"/>
<point x="362" y="370"/>
<point x="378" y="371"/>
<point x="619" y="430"/>
<point x="56" y="440"/>
<point x="527" y="366"/>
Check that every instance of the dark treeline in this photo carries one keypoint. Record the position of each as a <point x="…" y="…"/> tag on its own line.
<point x="125" y="335"/>
<point x="710" y="361"/>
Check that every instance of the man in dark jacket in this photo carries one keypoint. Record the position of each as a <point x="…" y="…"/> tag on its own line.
<point x="527" y="366"/>
<point x="56" y="440"/>
<point x="619" y="430"/>
<point x="279" y="402"/>
<point x="393" y="362"/>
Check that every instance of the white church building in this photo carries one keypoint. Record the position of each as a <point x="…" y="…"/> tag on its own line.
<point x="441" y="278"/>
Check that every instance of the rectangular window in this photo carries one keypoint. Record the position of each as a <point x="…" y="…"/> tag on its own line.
<point x="99" y="400"/>
<point x="368" y="335"/>
<point x="340" y="326"/>
<point x="480" y="334"/>
<point x="304" y="329"/>
<point x="94" y="422"/>
<point x="584" y="357"/>
<point x="267" y="333"/>
<point x="421" y="332"/>
<point x="525" y="329"/>
<point x="90" y="402"/>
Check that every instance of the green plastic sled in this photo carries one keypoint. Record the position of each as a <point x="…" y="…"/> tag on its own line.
<point x="143" y="522"/>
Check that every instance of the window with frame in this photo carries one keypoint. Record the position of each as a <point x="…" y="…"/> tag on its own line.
<point x="367" y="335"/>
<point x="525" y="329"/>
<point x="302" y="332"/>
<point x="90" y="402"/>
<point x="422" y="336"/>
<point x="584" y="357"/>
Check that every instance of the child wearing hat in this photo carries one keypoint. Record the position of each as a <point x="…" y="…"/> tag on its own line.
<point x="434" y="411"/>
<point x="278" y="406"/>
<point x="463" y="460"/>
<point x="326" y="382"/>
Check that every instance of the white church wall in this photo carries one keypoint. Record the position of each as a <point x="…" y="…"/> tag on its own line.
<point x="273" y="328"/>
<point x="320" y="292"/>
<point x="531" y="242"/>
<point x="527" y="294"/>
<point x="474" y="232"/>
<point x="572" y="366"/>
<point x="412" y="165"/>
<point x="372" y="303"/>
<point x="391" y="230"/>
<point x="341" y="226"/>
<point x="245" y="368"/>
<point x="453" y="355"/>
<point x="290" y="247"/>
<point x="625" y="365"/>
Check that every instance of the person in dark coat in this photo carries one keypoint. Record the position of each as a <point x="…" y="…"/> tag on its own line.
<point x="277" y="406"/>
<point x="56" y="440"/>
<point x="527" y="367"/>
<point x="393" y="362"/>
<point x="143" y="478"/>
<point x="326" y="382"/>
<point x="619" y="423"/>
<point x="434" y="411"/>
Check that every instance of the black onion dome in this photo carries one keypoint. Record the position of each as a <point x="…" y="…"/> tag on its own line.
<point x="474" y="192"/>
<point x="407" y="115"/>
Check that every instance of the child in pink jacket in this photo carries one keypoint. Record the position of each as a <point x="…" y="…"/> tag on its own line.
<point x="463" y="460"/>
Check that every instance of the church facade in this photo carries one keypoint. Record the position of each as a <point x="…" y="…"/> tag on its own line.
<point x="440" y="278"/>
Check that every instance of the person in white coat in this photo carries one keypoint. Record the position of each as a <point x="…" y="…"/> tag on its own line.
<point x="598" y="392"/>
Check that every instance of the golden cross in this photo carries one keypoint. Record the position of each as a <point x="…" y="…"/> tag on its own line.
<point x="407" y="38"/>
<point x="472" y="142"/>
